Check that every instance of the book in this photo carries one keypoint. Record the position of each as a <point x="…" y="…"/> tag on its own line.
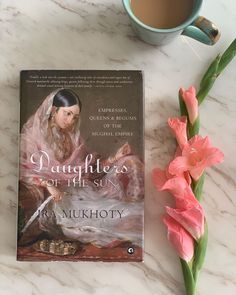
<point x="81" y="166"/>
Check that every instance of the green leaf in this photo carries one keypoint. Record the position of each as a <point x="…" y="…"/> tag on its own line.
<point x="211" y="72"/>
<point x="208" y="80"/>
<point x="200" y="253"/>
<point x="228" y="55"/>
<point x="197" y="187"/>
<point x="203" y="91"/>
<point x="214" y="70"/>
<point x="188" y="278"/>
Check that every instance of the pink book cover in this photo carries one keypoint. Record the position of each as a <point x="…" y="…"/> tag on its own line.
<point x="81" y="171"/>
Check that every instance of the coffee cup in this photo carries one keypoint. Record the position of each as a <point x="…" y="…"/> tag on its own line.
<point x="194" y="26"/>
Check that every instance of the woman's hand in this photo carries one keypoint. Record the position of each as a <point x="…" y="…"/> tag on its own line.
<point x="123" y="151"/>
<point x="56" y="193"/>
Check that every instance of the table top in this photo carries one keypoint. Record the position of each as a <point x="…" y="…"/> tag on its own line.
<point x="83" y="34"/>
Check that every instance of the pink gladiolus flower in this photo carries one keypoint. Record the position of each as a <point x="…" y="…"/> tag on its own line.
<point x="191" y="102"/>
<point x="160" y="177"/>
<point x="180" y="239"/>
<point x="196" y="156"/>
<point x="179" y="128"/>
<point x="189" y="212"/>
<point x="191" y="219"/>
<point x="180" y="189"/>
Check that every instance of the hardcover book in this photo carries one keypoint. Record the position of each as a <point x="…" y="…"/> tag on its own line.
<point x="81" y="174"/>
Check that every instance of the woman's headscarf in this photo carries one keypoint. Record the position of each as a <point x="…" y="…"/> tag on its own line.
<point x="34" y="146"/>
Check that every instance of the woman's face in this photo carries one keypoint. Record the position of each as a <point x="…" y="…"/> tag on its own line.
<point x="65" y="117"/>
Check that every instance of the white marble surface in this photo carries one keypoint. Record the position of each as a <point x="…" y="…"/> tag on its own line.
<point x="83" y="34"/>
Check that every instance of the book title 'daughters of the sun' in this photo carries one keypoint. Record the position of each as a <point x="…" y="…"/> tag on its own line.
<point x="41" y="160"/>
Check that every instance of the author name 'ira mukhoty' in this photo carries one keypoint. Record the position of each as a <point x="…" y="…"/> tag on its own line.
<point x="83" y="213"/>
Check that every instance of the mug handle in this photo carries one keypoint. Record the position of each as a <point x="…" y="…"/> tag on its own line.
<point x="202" y="30"/>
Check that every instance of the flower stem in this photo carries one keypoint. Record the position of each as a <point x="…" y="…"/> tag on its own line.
<point x="190" y="284"/>
<point x="193" y="129"/>
<point x="197" y="187"/>
<point x="200" y="253"/>
<point x="191" y="270"/>
<point x="182" y="106"/>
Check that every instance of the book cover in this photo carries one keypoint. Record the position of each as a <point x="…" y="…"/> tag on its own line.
<point x="81" y="174"/>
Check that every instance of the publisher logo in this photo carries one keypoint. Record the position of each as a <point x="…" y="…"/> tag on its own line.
<point x="130" y="250"/>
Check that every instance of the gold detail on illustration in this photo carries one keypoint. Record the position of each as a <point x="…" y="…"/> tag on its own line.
<point x="56" y="247"/>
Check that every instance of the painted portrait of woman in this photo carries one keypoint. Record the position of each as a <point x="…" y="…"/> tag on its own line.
<point x="54" y="130"/>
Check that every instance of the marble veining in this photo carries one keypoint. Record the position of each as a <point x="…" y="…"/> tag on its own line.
<point x="83" y="34"/>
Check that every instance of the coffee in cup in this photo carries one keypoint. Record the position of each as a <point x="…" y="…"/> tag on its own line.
<point x="162" y="14"/>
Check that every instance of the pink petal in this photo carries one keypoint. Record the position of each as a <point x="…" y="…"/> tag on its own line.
<point x="196" y="143"/>
<point x="200" y="142"/>
<point x="179" y="188"/>
<point x="191" y="102"/>
<point x="197" y="171"/>
<point x="192" y="219"/>
<point x="175" y="186"/>
<point x="179" y="128"/>
<point x="180" y="239"/>
<point x="200" y="154"/>
<point x="179" y="165"/>
<point x="159" y="178"/>
<point x="215" y="156"/>
<point x="187" y="177"/>
<point x="211" y="156"/>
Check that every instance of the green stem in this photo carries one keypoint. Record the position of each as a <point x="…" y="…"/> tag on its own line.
<point x="182" y="107"/>
<point x="193" y="129"/>
<point x="200" y="253"/>
<point x="191" y="271"/>
<point x="197" y="187"/>
<point x="190" y="285"/>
